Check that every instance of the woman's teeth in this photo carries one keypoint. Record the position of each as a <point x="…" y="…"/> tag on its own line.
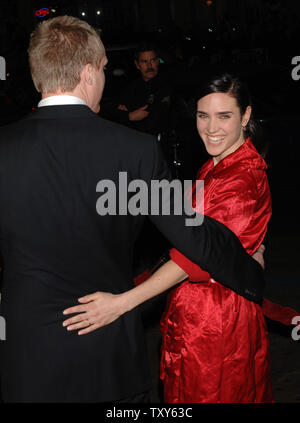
<point x="215" y="140"/>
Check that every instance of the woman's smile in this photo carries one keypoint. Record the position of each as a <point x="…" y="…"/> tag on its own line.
<point x="215" y="139"/>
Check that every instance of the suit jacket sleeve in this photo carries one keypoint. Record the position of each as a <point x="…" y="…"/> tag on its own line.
<point x="211" y="245"/>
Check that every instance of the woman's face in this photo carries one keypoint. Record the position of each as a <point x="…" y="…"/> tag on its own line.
<point x="220" y="123"/>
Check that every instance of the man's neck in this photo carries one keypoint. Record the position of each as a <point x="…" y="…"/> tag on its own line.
<point x="150" y="79"/>
<point x="71" y="93"/>
<point x="60" y="100"/>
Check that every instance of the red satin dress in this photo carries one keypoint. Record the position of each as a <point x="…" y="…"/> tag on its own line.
<point x="215" y="345"/>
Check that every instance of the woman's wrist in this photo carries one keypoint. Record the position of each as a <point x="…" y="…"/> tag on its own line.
<point x="135" y="296"/>
<point x="126" y="301"/>
<point x="165" y="277"/>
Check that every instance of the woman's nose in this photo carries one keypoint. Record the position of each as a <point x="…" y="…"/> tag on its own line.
<point x="212" y="126"/>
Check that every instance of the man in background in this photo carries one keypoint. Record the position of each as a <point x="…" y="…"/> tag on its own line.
<point x="145" y="104"/>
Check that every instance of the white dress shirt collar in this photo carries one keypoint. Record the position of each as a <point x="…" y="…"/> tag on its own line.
<point x="59" y="100"/>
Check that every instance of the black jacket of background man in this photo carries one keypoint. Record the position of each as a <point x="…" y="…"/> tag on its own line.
<point x="57" y="248"/>
<point x="157" y="94"/>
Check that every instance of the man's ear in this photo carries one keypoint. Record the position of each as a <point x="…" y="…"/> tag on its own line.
<point x="137" y="64"/>
<point x="87" y="74"/>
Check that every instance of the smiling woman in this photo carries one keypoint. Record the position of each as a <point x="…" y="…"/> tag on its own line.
<point x="220" y="124"/>
<point x="232" y="114"/>
<point x="210" y="333"/>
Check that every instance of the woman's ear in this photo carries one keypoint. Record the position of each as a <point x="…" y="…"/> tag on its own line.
<point x="246" y="116"/>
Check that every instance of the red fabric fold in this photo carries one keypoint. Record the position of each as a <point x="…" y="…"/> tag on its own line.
<point x="278" y="312"/>
<point x="142" y="277"/>
<point x="196" y="274"/>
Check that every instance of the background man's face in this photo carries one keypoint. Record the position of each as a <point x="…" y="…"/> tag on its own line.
<point x="147" y="64"/>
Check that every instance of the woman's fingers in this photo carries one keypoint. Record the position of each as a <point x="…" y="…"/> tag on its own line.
<point x="75" y="309"/>
<point x="88" y="298"/>
<point x="84" y="307"/>
<point x="83" y="324"/>
<point x="89" y="329"/>
<point x="259" y="255"/>
<point x="75" y="319"/>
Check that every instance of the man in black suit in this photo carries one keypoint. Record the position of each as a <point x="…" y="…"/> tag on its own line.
<point x="57" y="248"/>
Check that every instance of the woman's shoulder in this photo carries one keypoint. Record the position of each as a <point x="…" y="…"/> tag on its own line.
<point x="246" y="158"/>
<point x="245" y="164"/>
<point x="237" y="181"/>
<point x="243" y="171"/>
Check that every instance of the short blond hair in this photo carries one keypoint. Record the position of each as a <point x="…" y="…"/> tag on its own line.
<point x="58" y="51"/>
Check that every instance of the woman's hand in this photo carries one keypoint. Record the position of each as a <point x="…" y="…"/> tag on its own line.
<point x="101" y="308"/>
<point x="259" y="255"/>
<point x="95" y="310"/>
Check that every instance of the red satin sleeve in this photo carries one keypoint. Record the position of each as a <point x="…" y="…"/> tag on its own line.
<point x="195" y="272"/>
<point x="240" y="204"/>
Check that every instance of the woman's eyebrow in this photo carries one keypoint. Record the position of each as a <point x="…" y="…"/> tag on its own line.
<point x="218" y="113"/>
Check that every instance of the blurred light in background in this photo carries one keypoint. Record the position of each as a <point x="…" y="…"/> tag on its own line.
<point x="41" y="13"/>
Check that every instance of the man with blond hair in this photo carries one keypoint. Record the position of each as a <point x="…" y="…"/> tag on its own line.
<point x="57" y="247"/>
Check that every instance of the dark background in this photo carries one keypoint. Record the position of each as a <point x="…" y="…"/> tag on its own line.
<point x="257" y="38"/>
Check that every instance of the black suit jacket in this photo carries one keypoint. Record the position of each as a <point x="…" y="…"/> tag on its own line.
<point x="56" y="248"/>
